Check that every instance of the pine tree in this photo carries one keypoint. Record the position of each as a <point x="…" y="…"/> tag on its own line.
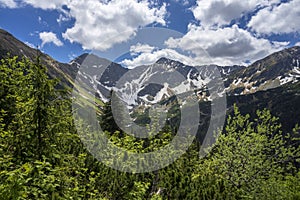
<point x="107" y="121"/>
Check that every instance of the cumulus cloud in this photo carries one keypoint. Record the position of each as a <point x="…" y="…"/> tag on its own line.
<point x="280" y="44"/>
<point x="8" y="4"/>
<point x="46" y="4"/>
<point x="150" y="55"/>
<point x="280" y="19"/>
<point x="230" y="45"/>
<point x="101" y="25"/>
<point x="141" y="48"/>
<point x="49" y="37"/>
<point x="222" y="12"/>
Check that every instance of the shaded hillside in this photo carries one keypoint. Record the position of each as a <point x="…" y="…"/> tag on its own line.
<point x="283" y="102"/>
<point x="14" y="47"/>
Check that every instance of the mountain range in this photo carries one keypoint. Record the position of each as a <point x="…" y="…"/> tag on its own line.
<point x="272" y="82"/>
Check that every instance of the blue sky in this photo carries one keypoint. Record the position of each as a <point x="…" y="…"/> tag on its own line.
<point x="223" y="32"/>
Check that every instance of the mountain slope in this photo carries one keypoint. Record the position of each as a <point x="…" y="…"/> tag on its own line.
<point x="283" y="102"/>
<point x="14" y="47"/>
<point x="270" y="83"/>
<point x="273" y="71"/>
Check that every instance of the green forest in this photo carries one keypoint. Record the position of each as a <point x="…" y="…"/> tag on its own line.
<point x="43" y="157"/>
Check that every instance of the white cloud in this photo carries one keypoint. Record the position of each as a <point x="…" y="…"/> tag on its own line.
<point x="222" y="12"/>
<point x="42" y="22"/>
<point x="150" y="57"/>
<point x="146" y="55"/>
<point x="234" y="45"/>
<point x="225" y="46"/>
<point x="183" y="2"/>
<point x="141" y="48"/>
<point x="8" y="3"/>
<point x="280" y="44"/>
<point x="46" y="4"/>
<point x="30" y="44"/>
<point x="101" y="25"/>
<point x="49" y="37"/>
<point x="62" y="18"/>
<point x="280" y="19"/>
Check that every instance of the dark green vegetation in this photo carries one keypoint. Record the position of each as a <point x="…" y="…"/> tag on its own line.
<point x="42" y="157"/>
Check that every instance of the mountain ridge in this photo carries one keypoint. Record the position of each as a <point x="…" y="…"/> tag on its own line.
<point x="272" y="82"/>
<point x="11" y="46"/>
<point x="237" y="78"/>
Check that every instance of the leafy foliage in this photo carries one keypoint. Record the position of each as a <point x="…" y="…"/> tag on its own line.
<point x="252" y="159"/>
